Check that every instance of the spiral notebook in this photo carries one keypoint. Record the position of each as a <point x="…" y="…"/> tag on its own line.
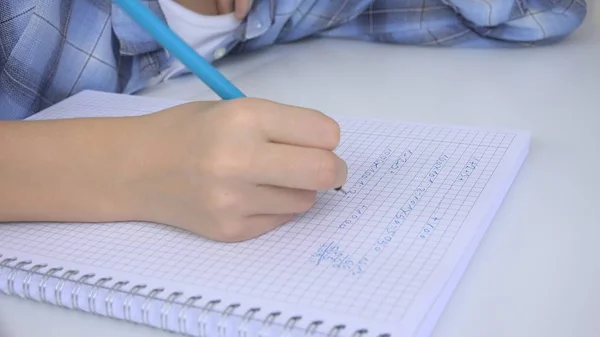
<point x="382" y="260"/>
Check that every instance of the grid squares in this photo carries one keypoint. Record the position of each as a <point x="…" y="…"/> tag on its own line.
<point x="285" y="265"/>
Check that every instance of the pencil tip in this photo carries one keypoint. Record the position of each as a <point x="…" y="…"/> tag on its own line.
<point x="340" y="189"/>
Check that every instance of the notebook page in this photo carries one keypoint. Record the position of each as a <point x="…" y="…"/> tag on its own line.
<point x="420" y="196"/>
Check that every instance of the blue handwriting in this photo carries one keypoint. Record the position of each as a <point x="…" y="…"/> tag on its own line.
<point x="354" y="216"/>
<point x="364" y="179"/>
<point x="391" y="229"/>
<point x="330" y="254"/>
<point x="435" y="219"/>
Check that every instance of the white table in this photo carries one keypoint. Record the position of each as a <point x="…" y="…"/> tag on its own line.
<point x="537" y="271"/>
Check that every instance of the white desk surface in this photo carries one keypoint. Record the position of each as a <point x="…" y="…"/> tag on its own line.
<point x="537" y="271"/>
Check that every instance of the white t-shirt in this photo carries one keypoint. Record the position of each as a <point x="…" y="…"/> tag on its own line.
<point x="204" y="33"/>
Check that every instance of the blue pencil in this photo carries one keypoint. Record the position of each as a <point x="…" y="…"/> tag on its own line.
<point x="161" y="32"/>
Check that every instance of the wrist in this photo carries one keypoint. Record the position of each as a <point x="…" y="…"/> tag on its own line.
<point x="65" y="170"/>
<point x="127" y="157"/>
<point x="141" y="154"/>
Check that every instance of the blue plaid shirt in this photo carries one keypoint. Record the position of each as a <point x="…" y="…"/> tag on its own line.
<point x="52" y="49"/>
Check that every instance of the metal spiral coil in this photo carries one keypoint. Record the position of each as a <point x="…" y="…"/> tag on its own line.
<point x="109" y="300"/>
<point x="291" y="324"/>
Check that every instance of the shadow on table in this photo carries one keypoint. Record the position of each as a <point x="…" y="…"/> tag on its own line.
<point x="3" y="331"/>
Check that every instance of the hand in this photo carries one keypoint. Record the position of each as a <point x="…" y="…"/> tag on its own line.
<point x="218" y="7"/>
<point x="231" y="170"/>
<point x="241" y="7"/>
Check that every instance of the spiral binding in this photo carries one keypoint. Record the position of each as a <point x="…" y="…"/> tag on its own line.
<point x="101" y="283"/>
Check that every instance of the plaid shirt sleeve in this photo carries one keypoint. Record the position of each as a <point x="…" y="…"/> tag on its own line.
<point x="52" y="49"/>
<point x="473" y="23"/>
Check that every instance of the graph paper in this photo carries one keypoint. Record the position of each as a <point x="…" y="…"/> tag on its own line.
<point x="375" y="257"/>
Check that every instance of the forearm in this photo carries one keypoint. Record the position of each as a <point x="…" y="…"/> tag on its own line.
<point x="63" y="170"/>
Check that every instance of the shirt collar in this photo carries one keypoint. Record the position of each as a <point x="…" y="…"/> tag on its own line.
<point x="134" y="40"/>
<point x="259" y="19"/>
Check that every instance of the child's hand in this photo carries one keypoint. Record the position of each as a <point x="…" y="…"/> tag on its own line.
<point x="232" y="170"/>
<point x="218" y="7"/>
<point x="241" y="7"/>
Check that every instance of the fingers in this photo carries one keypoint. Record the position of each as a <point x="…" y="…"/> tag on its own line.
<point x="279" y="200"/>
<point x="264" y="208"/>
<point x="298" y="167"/>
<point x="225" y="6"/>
<point x="241" y="8"/>
<point x="302" y="127"/>
<point x="263" y="223"/>
<point x="295" y="125"/>
<point x="251" y="227"/>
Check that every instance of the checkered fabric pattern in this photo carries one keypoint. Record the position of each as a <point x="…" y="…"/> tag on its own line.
<point x="52" y="49"/>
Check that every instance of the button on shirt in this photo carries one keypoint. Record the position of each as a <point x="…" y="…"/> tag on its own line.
<point x="50" y="50"/>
